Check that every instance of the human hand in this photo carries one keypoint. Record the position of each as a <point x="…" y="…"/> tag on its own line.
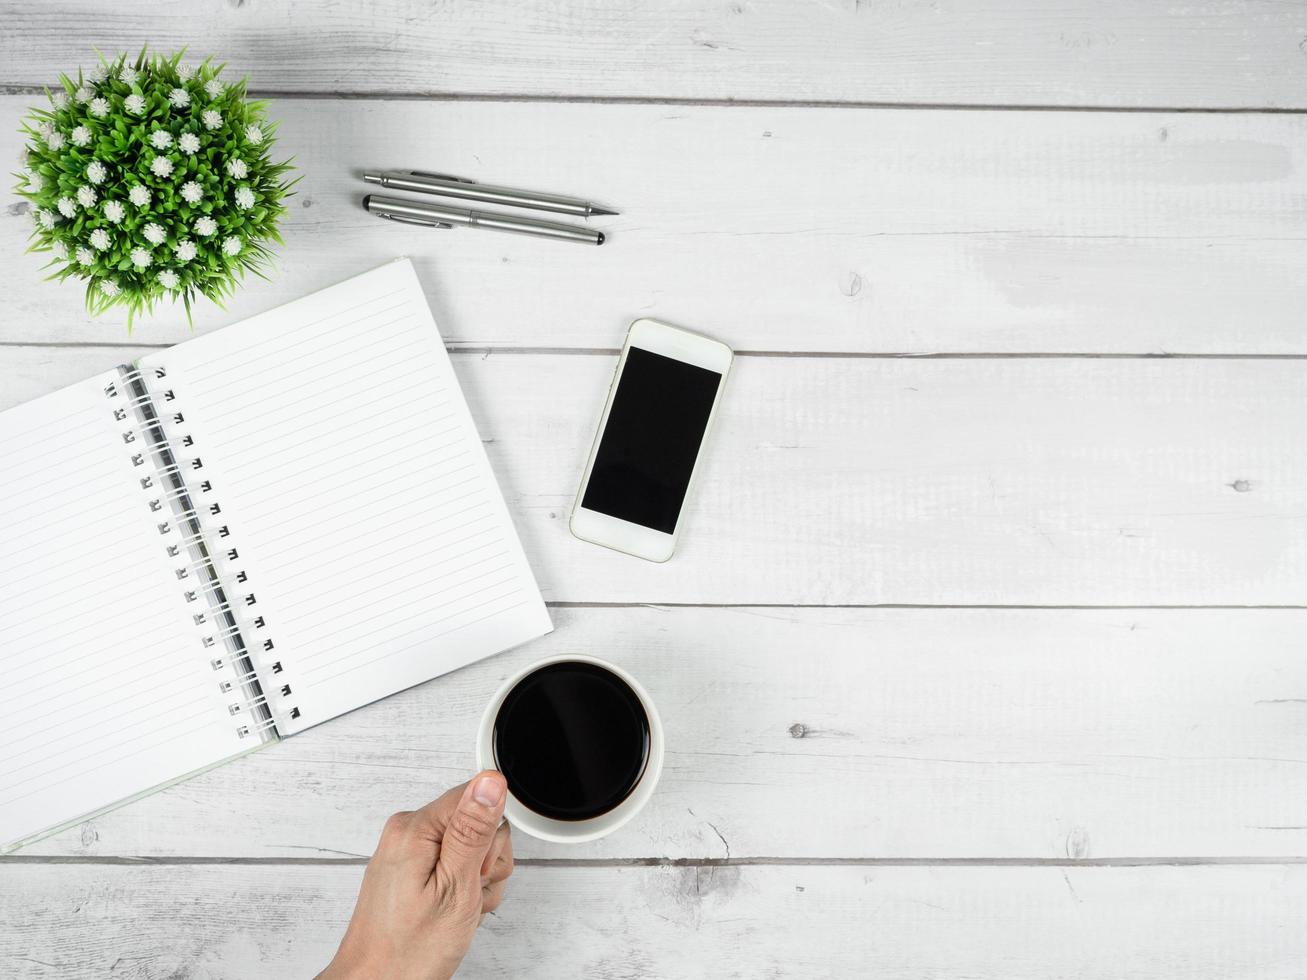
<point x="435" y="873"/>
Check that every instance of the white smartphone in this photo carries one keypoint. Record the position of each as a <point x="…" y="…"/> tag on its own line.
<point x="660" y="410"/>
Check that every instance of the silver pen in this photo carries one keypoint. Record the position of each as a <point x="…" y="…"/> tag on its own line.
<point x="443" y="216"/>
<point x="443" y="185"/>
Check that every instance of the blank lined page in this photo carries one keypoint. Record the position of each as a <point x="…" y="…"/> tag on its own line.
<point x="356" y="494"/>
<point x="106" y="688"/>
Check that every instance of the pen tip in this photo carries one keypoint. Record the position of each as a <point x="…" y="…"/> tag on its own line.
<point x="366" y="199"/>
<point x="601" y="239"/>
<point x="372" y="178"/>
<point x="601" y="211"/>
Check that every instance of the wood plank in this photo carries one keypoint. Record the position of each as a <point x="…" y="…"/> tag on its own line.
<point x="1076" y="52"/>
<point x="811" y="229"/>
<point x="828" y="733"/>
<point x="617" y="923"/>
<point x="942" y="482"/>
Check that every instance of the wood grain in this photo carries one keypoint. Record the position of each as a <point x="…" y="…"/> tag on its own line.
<point x="834" y="733"/>
<point x="840" y="737"/>
<point x="1214" y="53"/>
<point x="618" y="924"/>
<point x="942" y="482"/>
<point x="785" y="229"/>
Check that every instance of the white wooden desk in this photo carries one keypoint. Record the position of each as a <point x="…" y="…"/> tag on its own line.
<point x="984" y="654"/>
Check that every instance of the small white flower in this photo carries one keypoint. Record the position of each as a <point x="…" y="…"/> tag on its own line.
<point x="84" y="94"/>
<point x="46" y="129"/>
<point x="244" y="198"/>
<point x="67" y="206"/>
<point x="59" y="249"/>
<point x="84" y="255"/>
<point x="108" y="287"/>
<point x="192" y="191"/>
<point x="139" y="195"/>
<point x="180" y="98"/>
<point x="141" y="257"/>
<point x="55" y="141"/>
<point x="95" y="172"/>
<point x="128" y="75"/>
<point x="154" y="234"/>
<point x="185" y="72"/>
<point x="85" y="196"/>
<point x="34" y="181"/>
<point x="98" y="73"/>
<point x="99" y="108"/>
<point x="168" y="279"/>
<point x="231" y="245"/>
<point x="60" y="99"/>
<point x="253" y="133"/>
<point x="80" y="136"/>
<point x="45" y="218"/>
<point x="236" y="167"/>
<point x="211" y="118"/>
<point x="161" y="167"/>
<point x="213" y="88"/>
<point x="135" y="104"/>
<point x="185" y="250"/>
<point x="161" y="139"/>
<point x="188" y="143"/>
<point x="99" y="239"/>
<point x="206" y="226"/>
<point x="114" y="211"/>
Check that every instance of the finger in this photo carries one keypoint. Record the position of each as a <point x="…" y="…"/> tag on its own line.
<point x="503" y="866"/>
<point x="491" y="896"/>
<point x="394" y="831"/>
<point x="431" y="820"/>
<point x="502" y="841"/>
<point x="471" y="831"/>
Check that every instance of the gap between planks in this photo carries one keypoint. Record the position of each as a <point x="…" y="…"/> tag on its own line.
<point x="581" y="604"/>
<point x="467" y="349"/>
<point x="30" y="88"/>
<point x="655" y="862"/>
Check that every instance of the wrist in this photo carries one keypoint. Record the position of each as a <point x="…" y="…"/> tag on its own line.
<point x="344" y="966"/>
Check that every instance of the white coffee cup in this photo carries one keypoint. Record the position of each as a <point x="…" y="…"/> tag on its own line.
<point x="575" y="831"/>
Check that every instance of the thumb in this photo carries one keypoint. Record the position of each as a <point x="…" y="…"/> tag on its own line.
<point x="471" y="830"/>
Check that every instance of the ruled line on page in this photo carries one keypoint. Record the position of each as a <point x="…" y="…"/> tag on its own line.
<point x="359" y="432"/>
<point x="406" y="488"/>
<point x="201" y="382"/>
<point x="402" y="598"/>
<point x="74" y="537"/>
<point x="59" y="598"/>
<point x="368" y="534"/>
<point x="249" y="345"/>
<point x="427" y="640"/>
<point x="355" y="486"/>
<point x="234" y="419"/>
<point x="273" y="414"/>
<point x="367" y="477"/>
<point x="95" y="645"/>
<point x="103" y="735"/>
<point x="147" y="684"/>
<point x="172" y="738"/>
<point x="317" y="653"/>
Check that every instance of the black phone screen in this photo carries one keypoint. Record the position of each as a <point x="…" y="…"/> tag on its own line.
<point x="647" y="452"/>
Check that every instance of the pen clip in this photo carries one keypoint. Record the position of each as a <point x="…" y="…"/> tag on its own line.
<point x="412" y="221"/>
<point x="428" y="173"/>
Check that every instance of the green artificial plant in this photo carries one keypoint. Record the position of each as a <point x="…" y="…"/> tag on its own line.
<point x="150" y="178"/>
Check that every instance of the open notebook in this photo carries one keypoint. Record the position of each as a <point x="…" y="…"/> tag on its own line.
<point x="238" y="538"/>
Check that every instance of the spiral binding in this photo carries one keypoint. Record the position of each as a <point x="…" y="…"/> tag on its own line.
<point x="192" y="545"/>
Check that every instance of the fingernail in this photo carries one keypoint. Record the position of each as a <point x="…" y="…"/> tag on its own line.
<point x="488" y="791"/>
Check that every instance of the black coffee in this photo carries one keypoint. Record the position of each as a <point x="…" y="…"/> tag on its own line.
<point x="572" y="739"/>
